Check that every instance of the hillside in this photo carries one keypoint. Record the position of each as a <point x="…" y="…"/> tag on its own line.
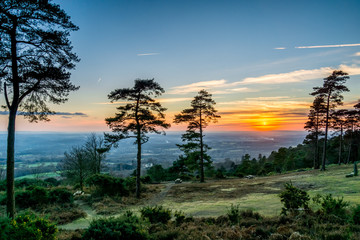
<point x="260" y="194"/>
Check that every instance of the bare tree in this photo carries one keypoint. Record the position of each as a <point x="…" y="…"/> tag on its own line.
<point x="96" y="152"/>
<point x="75" y="166"/>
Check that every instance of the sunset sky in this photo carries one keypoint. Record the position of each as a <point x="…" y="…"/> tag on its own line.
<point x="260" y="59"/>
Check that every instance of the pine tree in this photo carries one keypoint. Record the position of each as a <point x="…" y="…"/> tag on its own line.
<point x="331" y="91"/>
<point x="140" y="116"/>
<point x="314" y="125"/>
<point x="36" y="57"/>
<point x="198" y="117"/>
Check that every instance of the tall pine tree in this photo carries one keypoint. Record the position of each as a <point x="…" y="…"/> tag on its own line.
<point x="36" y="57"/>
<point x="198" y="117"/>
<point x="140" y="116"/>
<point x="331" y="91"/>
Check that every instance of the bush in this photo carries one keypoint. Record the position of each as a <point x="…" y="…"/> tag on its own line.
<point x="28" y="227"/>
<point x="356" y="215"/>
<point x="335" y="207"/>
<point x="293" y="198"/>
<point x="34" y="196"/>
<point x="52" y="182"/>
<point x="26" y="182"/>
<point x="233" y="214"/>
<point x="108" y="185"/>
<point x="156" y="214"/>
<point x="60" y="195"/>
<point x="127" y="227"/>
<point x="23" y="199"/>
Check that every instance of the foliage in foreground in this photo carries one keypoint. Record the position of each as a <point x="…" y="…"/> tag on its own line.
<point x="27" y="227"/>
<point x="126" y="227"/>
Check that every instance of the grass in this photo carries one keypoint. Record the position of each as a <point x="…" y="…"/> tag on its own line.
<point x="260" y="194"/>
<point x="214" y="197"/>
<point x="40" y="175"/>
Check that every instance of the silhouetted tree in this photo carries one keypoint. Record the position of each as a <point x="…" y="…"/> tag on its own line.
<point x="36" y="56"/>
<point x="331" y="91"/>
<point x="96" y="152"/>
<point x="338" y="122"/>
<point x="140" y="116"/>
<point x="198" y="117"/>
<point x="314" y="126"/>
<point x="75" y="166"/>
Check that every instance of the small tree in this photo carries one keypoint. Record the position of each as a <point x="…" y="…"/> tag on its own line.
<point x="198" y="117"/>
<point x="75" y="166"/>
<point x="331" y="91"/>
<point x="314" y="126"/>
<point x="140" y="116"/>
<point x="96" y="152"/>
<point x="36" y="57"/>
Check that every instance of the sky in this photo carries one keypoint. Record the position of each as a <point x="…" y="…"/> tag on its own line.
<point x="260" y="59"/>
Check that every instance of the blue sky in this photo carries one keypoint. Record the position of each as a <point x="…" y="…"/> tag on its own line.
<point x="230" y="48"/>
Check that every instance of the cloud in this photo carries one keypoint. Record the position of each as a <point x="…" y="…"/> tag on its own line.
<point x="268" y="98"/>
<point x="57" y="113"/>
<point x="331" y="46"/>
<point x="195" y="87"/>
<point x="70" y="114"/>
<point x="280" y="48"/>
<point x="147" y="54"/>
<point x="357" y="54"/>
<point x="290" y="77"/>
<point x="171" y="100"/>
<point x="351" y="70"/>
<point x="243" y="89"/>
<point x="99" y="80"/>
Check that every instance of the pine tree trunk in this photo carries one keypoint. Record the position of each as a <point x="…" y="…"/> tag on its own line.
<point x="326" y="133"/>
<point x="138" y="167"/>
<point x="340" y="147"/>
<point x="10" y="196"/>
<point x="317" y="157"/>
<point x="202" y="175"/>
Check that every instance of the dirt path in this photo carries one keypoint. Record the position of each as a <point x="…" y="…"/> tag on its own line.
<point x="160" y="197"/>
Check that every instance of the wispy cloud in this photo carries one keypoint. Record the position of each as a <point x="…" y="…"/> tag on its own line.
<point x="290" y="77"/>
<point x="195" y="87"/>
<point x="268" y="98"/>
<point x="147" y="54"/>
<point x="357" y="54"/>
<point x="57" y="113"/>
<point x="280" y="48"/>
<point x="331" y="46"/>
<point x="172" y="100"/>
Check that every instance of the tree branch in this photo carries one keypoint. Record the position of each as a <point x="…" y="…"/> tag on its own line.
<point x="6" y="96"/>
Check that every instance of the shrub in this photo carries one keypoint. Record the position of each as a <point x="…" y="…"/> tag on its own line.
<point x="233" y="214"/>
<point x="108" y="185"/>
<point x="293" y="198"/>
<point x="332" y="206"/>
<point x="60" y="195"/>
<point x="356" y="215"/>
<point x="52" y="182"/>
<point x="26" y="182"/>
<point x="126" y="227"/>
<point x="39" y="195"/>
<point x="23" y="199"/>
<point x="156" y="214"/>
<point x="29" y="227"/>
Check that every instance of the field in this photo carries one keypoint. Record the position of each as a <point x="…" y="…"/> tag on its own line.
<point x="260" y="194"/>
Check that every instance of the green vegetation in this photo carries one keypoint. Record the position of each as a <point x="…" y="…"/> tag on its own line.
<point x="27" y="227"/>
